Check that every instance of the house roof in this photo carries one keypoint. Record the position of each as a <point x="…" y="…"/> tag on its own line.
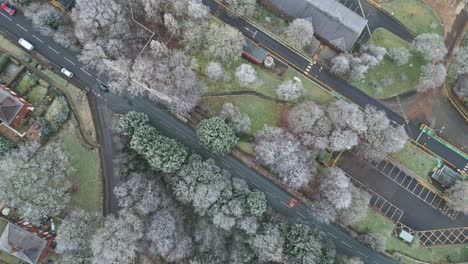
<point x="9" y="105"/>
<point x="22" y="244"/>
<point x="254" y="51"/>
<point x="332" y="21"/>
<point x="446" y="176"/>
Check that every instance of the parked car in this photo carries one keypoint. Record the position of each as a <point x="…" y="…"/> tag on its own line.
<point x="66" y="72"/>
<point x="103" y="87"/>
<point x="25" y="44"/>
<point x="8" y="9"/>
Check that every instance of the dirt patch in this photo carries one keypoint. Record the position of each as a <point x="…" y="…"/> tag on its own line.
<point x="421" y="107"/>
<point x="447" y="11"/>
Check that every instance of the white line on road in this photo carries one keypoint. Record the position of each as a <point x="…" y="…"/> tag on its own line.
<point x="359" y="252"/>
<point x="272" y="195"/>
<point x="303" y="216"/>
<point x="255" y="184"/>
<point x="85" y="72"/>
<point x="22" y="27"/>
<point x="53" y="50"/>
<point x="284" y="204"/>
<point x="346" y="244"/>
<point x="226" y="164"/>
<point x="69" y="61"/>
<point x="40" y="40"/>
<point x="180" y="134"/>
<point x="331" y="234"/>
<point x="100" y="81"/>
<point x="314" y="224"/>
<point x="6" y="16"/>
<point x="164" y="123"/>
<point x="210" y="154"/>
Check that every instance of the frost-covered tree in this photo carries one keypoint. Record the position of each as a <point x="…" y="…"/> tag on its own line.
<point x="246" y="74"/>
<point x="46" y="18"/>
<point x="461" y="87"/>
<point x="239" y="122"/>
<point x="376" y="52"/>
<point x="74" y="233"/>
<point x="459" y="64"/>
<point x="243" y="7"/>
<point x="117" y="240"/>
<point x="340" y="64"/>
<point x="216" y="135"/>
<point x="224" y="42"/>
<point x="256" y="203"/>
<point x="214" y="70"/>
<point x="33" y="180"/>
<point x="268" y="243"/>
<point x="457" y="196"/>
<point x="5" y="146"/>
<point x="375" y="241"/>
<point x="358" y="208"/>
<point x="197" y="9"/>
<point x="301" y="244"/>
<point x="290" y="89"/>
<point x="346" y="115"/>
<point x="300" y="34"/>
<point x="432" y="76"/>
<point x="162" y="153"/>
<point x="431" y="45"/>
<point x="399" y="55"/>
<point x="353" y="260"/>
<point x="285" y="156"/>
<point x="130" y="121"/>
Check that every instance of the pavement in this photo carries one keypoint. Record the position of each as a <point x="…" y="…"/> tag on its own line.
<point x="19" y="27"/>
<point x="334" y="84"/>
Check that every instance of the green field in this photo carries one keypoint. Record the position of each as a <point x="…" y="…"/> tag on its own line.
<point x="374" y="222"/>
<point x="400" y="78"/>
<point x="25" y="83"/>
<point x="36" y="95"/>
<point x="86" y="177"/>
<point x="415" y="160"/>
<point x="415" y="15"/>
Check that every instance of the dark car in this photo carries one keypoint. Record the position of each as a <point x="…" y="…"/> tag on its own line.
<point x="103" y="87"/>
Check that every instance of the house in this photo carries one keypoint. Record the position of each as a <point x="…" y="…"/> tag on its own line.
<point x="253" y="52"/>
<point x="333" y="22"/>
<point x="63" y="4"/>
<point x="446" y="176"/>
<point x="23" y="244"/>
<point x="13" y="109"/>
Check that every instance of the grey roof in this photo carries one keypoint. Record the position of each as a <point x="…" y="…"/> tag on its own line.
<point x="254" y="50"/>
<point x="9" y="106"/>
<point x="67" y="4"/>
<point x="332" y="21"/>
<point x="446" y="176"/>
<point x="22" y="243"/>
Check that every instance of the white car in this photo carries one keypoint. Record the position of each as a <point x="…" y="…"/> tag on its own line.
<point x="66" y="72"/>
<point x="25" y="44"/>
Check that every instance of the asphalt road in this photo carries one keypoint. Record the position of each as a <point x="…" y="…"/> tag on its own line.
<point x="332" y="82"/>
<point x="19" y="27"/>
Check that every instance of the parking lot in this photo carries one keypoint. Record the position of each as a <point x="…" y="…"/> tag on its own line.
<point x="379" y="203"/>
<point x="415" y="188"/>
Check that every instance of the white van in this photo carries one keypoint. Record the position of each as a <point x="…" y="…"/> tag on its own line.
<point x="25" y="44"/>
<point x="66" y="72"/>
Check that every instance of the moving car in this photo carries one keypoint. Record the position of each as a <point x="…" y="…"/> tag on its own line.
<point x="66" y="72"/>
<point x="8" y="9"/>
<point x="25" y="44"/>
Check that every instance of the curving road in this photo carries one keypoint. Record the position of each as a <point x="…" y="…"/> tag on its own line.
<point x="19" y="27"/>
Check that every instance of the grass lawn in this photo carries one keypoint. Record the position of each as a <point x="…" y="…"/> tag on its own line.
<point x="54" y="77"/>
<point x="269" y="20"/>
<point x="86" y="177"/>
<point x="260" y="111"/>
<point x="374" y="222"/>
<point x="415" y="160"/>
<point x="266" y="81"/>
<point x="416" y="15"/>
<point x="36" y="95"/>
<point x="245" y="146"/>
<point x="27" y="82"/>
<point x="389" y="79"/>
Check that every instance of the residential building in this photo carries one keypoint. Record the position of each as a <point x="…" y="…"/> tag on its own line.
<point x="13" y="109"/>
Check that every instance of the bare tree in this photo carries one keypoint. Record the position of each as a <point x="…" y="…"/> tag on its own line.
<point x="340" y="64"/>
<point x="459" y="65"/>
<point x="224" y="42"/>
<point x="214" y="70"/>
<point x="354" y="260"/>
<point x="300" y="34"/>
<point x="117" y="240"/>
<point x="246" y="74"/>
<point x="431" y="45"/>
<point x="432" y="76"/>
<point x="358" y="208"/>
<point x="244" y="7"/>
<point x="399" y="55"/>
<point x="285" y="155"/>
<point x="457" y="196"/>
<point x="240" y="122"/>
<point x="290" y="89"/>
<point x="267" y="244"/>
<point x="375" y="241"/>
<point x="346" y="115"/>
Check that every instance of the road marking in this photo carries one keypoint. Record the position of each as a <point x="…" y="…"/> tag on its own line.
<point x="85" y="72"/>
<point x="301" y="215"/>
<point x="6" y="16"/>
<point x="359" y="252"/>
<point x="211" y="154"/>
<point x="284" y="204"/>
<point x="331" y="234"/>
<point x="346" y="244"/>
<point x="22" y="27"/>
<point x="255" y="184"/>
<point x="100" y="81"/>
<point x="69" y="60"/>
<point x="226" y="164"/>
<point x="180" y="134"/>
<point x="272" y="194"/>
<point x="40" y="40"/>
<point x="53" y="50"/>
<point x="164" y="123"/>
<point x="314" y="224"/>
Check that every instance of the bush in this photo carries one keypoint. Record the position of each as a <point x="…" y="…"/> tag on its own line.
<point x="5" y="145"/>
